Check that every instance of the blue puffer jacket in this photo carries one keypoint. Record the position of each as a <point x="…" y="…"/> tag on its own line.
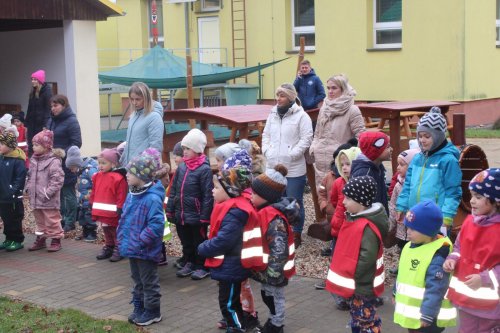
<point x="363" y="166"/>
<point x="13" y="176"/>
<point x="191" y="199"/>
<point x="84" y="185"/>
<point x="436" y="177"/>
<point x="310" y="90"/>
<point x="140" y="230"/>
<point x="228" y="242"/>
<point x="66" y="134"/>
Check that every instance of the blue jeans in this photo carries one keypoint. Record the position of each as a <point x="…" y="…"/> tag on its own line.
<point x="295" y="189"/>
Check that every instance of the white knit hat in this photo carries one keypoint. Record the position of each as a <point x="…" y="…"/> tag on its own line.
<point x="6" y="120"/>
<point x="195" y="140"/>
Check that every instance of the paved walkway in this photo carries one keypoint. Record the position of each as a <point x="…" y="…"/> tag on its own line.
<point x="73" y="278"/>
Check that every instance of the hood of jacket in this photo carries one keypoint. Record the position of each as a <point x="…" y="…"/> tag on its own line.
<point x="156" y="189"/>
<point x="293" y="109"/>
<point x="364" y="162"/>
<point x="290" y="208"/>
<point x="65" y="114"/>
<point x="311" y="73"/>
<point x="449" y="148"/>
<point x="17" y="153"/>
<point x="376" y="214"/>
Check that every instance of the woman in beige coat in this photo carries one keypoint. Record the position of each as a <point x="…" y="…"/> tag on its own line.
<point x="338" y="121"/>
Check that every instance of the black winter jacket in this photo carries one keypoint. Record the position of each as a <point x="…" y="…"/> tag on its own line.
<point x="38" y="112"/>
<point x="362" y="166"/>
<point x="228" y="242"/>
<point x="13" y="176"/>
<point x="191" y="200"/>
<point x="66" y="134"/>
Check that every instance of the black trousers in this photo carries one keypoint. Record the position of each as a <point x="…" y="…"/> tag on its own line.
<point x="230" y="304"/>
<point x="12" y="215"/>
<point x="191" y="236"/>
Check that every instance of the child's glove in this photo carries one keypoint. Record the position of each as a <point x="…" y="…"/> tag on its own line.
<point x="448" y="221"/>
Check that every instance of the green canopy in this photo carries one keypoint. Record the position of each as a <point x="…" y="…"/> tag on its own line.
<point x="161" y="69"/>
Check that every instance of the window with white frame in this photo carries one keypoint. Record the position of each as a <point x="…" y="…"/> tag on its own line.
<point x="498" y="22"/>
<point x="303" y="23"/>
<point x="210" y="5"/>
<point x="387" y="27"/>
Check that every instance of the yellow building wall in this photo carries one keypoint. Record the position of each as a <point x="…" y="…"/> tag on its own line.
<point x="448" y="48"/>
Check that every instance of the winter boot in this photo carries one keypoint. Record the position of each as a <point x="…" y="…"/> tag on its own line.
<point x="269" y="328"/>
<point x="138" y="309"/>
<point x="297" y="239"/>
<point x="250" y="321"/>
<point x="55" y="245"/>
<point x="91" y="236"/>
<point x="82" y="235"/>
<point x="38" y="244"/>
<point x="148" y="317"/>
<point x="14" y="246"/>
<point x="106" y="252"/>
<point x="116" y="255"/>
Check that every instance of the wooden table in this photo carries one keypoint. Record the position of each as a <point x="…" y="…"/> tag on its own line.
<point x="392" y="111"/>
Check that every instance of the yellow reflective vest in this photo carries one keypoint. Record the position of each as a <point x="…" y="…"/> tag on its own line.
<point x="410" y="286"/>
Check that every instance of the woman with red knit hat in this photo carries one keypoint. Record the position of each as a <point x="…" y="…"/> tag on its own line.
<point x="38" y="112"/>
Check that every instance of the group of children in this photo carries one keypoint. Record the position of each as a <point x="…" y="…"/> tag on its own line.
<point x="418" y="215"/>
<point x="236" y="225"/>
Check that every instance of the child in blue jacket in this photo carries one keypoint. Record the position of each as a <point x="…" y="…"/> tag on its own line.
<point x="85" y="168"/>
<point x="140" y="233"/>
<point x="434" y="174"/>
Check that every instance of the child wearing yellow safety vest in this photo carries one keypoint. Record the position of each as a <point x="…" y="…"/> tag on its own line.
<point x="421" y="285"/>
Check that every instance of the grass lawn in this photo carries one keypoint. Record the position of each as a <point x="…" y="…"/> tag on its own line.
<point x="482" y="133"/>
<point x="23" y="317"/>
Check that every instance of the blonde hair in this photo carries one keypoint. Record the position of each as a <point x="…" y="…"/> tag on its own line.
<point x="141" y="89"/>
<point x="340" y="80"/>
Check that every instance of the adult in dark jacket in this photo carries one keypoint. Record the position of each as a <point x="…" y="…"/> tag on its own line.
<point x="38" y="112"/>
<point x="67" y="133"/>
<point x="309" y="86"/>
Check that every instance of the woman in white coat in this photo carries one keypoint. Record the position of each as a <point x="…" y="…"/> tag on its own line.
<point x="287" y="136"/>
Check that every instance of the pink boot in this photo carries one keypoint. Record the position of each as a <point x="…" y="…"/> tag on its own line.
<point x="55" y="245"/>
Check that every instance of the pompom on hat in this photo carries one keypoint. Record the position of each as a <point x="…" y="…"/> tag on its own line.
<point x="8" y="139"/>
<point x="235" y="180"/>
<point x="271" y="184"/>
<point x="74" y="157"/>
<point x="373" y="144"/>
<point x="487" y="184"/>
<point x="425" y="217"/>
<point x="145" y="165"/>
<point x="110" y="154"/>
<point x="45" y="138"/>
<point x="6" y="120"/>
<point x="361" y="189"/>
<point x="39" y="75"/>
<point x="195" y="140"/>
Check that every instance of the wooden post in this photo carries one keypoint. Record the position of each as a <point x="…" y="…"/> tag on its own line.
<point x="458" y="131"/>
<point x="189" y="85"/>
<point x="311" y="176"/>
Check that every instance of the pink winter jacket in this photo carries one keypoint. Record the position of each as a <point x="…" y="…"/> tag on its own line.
<point x="45" y="180"/>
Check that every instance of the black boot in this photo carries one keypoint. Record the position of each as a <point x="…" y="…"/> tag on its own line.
<point x="106" y="252"/>
<point x="91" y="235"/>
<point x="270" y="328"/>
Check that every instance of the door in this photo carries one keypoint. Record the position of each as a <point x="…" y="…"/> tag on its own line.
<point x="209" y="40"/>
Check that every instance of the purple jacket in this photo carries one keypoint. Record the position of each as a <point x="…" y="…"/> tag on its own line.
<point x="45" y="180"/>
<point x="485" y="278"/>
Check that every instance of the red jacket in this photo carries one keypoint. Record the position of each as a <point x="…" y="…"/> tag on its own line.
<point x="251" y="251"/>
<point x="479" y="251"/>
<point x="109" y="190"/>
<point x="266" y="215"/>
<point x="22" y="143"/>
<point x="337" y="198"/>
<point x="340" y="279"/>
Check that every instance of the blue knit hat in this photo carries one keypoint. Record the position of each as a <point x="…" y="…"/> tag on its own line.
<point x="238" y="159"/>
<point x="425" y="217"/>
<point x="487" y="184"/>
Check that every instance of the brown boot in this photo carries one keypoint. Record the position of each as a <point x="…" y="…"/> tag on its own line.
<point x="297" y="239"/>
<point x="55" y="245"/>
<point x="38" y="244"/>
<point x="116" y="255"/>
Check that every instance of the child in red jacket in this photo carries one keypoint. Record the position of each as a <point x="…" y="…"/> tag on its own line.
<point x="18" y="120"/>
<point x="109" y="190"/>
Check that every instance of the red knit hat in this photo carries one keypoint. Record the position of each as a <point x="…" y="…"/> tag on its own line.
<point x="373" y="144"/>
